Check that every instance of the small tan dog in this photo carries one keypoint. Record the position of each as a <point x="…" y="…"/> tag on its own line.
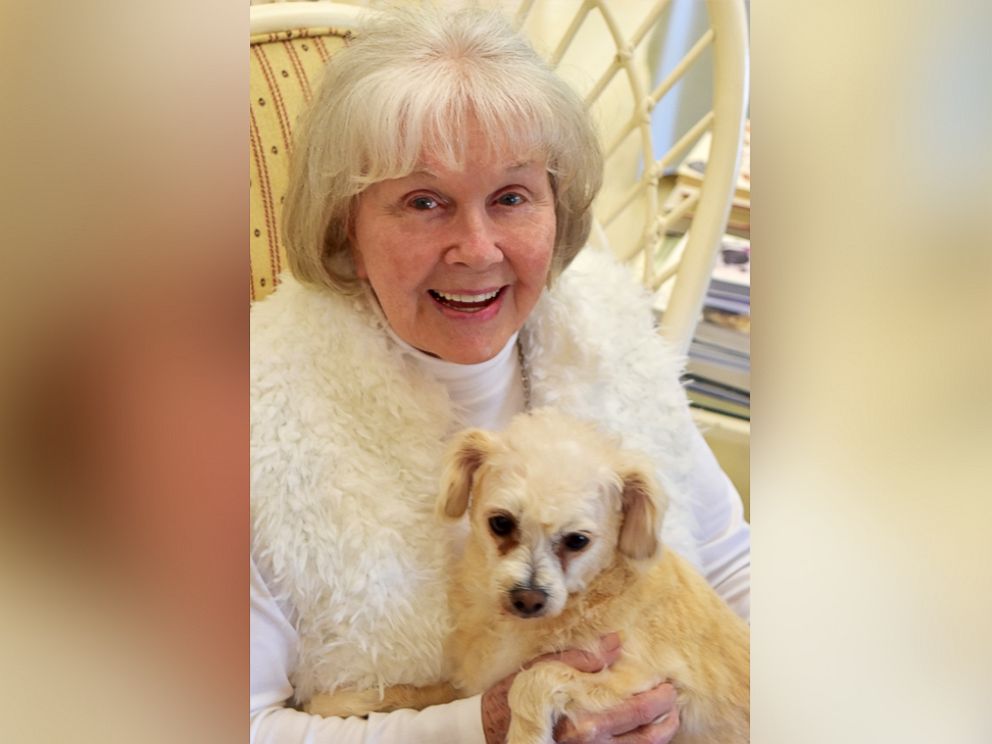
<point x="562" y="549"/>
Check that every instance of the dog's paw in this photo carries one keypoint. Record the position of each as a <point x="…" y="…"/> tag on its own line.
<point x="537" y="697"/>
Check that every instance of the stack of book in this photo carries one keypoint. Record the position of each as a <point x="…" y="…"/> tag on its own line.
<point x="718" y="373"/>
<point x="689" y="179"/>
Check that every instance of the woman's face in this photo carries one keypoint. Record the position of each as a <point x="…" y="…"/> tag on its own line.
<point x="458" y="258"/>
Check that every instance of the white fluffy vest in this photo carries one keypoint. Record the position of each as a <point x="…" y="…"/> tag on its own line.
<point x="346" y="445"/>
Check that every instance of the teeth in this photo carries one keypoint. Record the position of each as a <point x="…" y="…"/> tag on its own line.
<point x="466" y="298"/>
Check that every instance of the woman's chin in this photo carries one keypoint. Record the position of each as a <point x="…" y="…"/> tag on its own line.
<point x="471" y="348"/>
<point x="470" y="337"/>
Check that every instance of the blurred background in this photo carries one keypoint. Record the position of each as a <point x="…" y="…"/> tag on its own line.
<point x="124" y="387"/>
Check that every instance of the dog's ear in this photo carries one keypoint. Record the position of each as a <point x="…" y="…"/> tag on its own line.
<point x="467" y="453"/>
<point x="643" y="504"/>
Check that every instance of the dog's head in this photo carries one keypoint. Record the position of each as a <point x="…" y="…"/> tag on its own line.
<point x="552" y="502"/>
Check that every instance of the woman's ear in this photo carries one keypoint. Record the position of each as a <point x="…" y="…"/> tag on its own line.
<point x="466" y="455"/>
<point x="357" y="261"/>
<point x="643" y="504"/>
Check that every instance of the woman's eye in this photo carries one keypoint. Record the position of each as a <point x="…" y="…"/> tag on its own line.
<point x="576" y="541"/>
<point x="501" y="525"/>
<point x="423" y="202"/>
<point x="510" y="199"/>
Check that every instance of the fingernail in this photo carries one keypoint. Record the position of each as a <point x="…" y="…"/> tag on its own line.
<point x="609" y="642"/>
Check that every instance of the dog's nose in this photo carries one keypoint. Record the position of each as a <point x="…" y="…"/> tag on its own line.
<point x="528" y="602"/>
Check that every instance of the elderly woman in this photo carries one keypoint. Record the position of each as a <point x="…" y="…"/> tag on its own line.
<point x="440" y="191"/>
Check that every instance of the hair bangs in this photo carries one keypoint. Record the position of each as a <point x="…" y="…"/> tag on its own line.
<point x="396" y="131"/>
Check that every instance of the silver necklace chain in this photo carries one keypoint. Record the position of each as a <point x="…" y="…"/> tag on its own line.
<point x="524" y="376"/>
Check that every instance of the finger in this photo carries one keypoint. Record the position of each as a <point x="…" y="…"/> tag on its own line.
<point x="582" y="660"/>
<point x="659" y="732"/>
<point x="643" y="709"/>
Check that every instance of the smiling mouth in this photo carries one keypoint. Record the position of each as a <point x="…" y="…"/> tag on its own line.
<point x="466" y="303"/>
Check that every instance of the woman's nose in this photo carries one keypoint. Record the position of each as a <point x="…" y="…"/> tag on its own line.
<point x="474" y="240"/>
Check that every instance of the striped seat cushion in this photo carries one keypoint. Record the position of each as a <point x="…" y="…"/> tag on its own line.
<point x="285" y="68"/>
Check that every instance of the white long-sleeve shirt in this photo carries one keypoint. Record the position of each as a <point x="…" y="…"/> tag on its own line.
<point x="488" y="395"/>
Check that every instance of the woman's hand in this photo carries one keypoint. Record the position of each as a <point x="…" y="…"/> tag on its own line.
<point x="649" y="717"/>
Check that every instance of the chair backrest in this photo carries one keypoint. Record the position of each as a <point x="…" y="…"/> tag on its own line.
<point x="291" y="41"/>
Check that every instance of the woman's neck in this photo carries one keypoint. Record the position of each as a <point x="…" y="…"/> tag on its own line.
<point x="485" y="395"/>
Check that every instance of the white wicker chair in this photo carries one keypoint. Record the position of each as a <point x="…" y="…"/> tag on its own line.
<point x="629" y="212"/>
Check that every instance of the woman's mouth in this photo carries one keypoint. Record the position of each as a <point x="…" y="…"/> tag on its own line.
<point x="466" y="302"/>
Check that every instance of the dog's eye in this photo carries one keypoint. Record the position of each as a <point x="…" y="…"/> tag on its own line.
<point x="575" y="541"/>
<point x="501" y="525"/>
